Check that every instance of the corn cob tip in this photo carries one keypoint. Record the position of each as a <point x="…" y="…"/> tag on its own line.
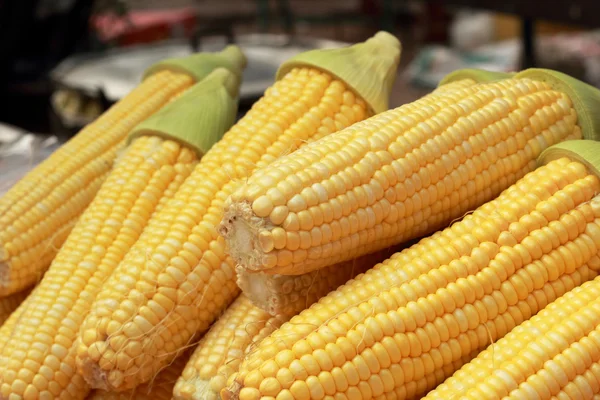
<point x="585" y="98"/>
<point x="587" y="152"/>
<point x="478" y="75"/>
<point x="369" y="68"/>
<point x="94" y="376"/>
<point x="255" y="286"/>
<point x="200" y="65"/>
<point x="200" y="116"/>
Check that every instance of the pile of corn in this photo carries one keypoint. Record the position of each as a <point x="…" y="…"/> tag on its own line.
<point x="169" y="252"/>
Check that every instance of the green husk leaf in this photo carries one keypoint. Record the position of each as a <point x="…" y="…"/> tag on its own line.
<point x="369" y="68"/>
<point x="200" y="116"/>
<point x="586" y="152"/>
<point x="199" y="65"/>
<point x="478" y="75"/>
<point x="585" y="98"/>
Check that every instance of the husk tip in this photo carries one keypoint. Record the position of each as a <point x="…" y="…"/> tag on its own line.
<point x="584" y="151"/>
<point x="585" y="98"/>
<point x="478" y="75"/>
<point x="235" y="55"/>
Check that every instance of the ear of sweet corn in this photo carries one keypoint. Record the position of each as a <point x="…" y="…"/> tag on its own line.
<point x="223" y="348"/>
<point x="37" y="213"/>
<point x="159" y="388"/>
<point x="431" y="305"/>
<point x="39" y="357"/>
<point x="244" y="325"/>
<point x="178" y="278"/>
<point x="554" y="355"/>
<point x="401" y="174"/>
<point x="290" y="294"/>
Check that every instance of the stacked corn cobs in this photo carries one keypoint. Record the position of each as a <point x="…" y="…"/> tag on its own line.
<point x="150" y="268"/>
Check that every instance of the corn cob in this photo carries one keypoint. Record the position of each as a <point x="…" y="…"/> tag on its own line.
<point x="160" y="388"/>
<point x="191" y="279"/>
<point x="554" y="355"/>
<point x="290" y="294"/>
<point x="38" y="361"/>
<point x="222" y="349"/>
<point x="216" y="360"/>
<point x="10" y="303"/>
<point x="401" y="174"/>
<point x="38" y="213"/>
<point x="442" y="299"/>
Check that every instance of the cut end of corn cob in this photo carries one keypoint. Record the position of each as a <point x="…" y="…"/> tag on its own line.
<point x="369" y="68"/>
<point x="241" y="227"/>
<point x="478" y="75"/>
<point x="585" y="98"/>
<point x="586" y="152"/>
<point x="199" y="117"/>
<point x="200" y="65"/>
<point x="96" y="377"/>
<point x="289" y="294"/>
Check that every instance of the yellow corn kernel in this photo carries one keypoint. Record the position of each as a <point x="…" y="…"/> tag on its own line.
<point x="10" y="303"/>
<point x="38" y="213"/>
<point x="150" y="171"/>
<point x="290" y="294"/>
<point x="442" y="299"/>
<point x="223" y="348"/>
<point x="397" y="176"/>
<point x="554" y="355"/>
<point x="191" y="279"/>
<point x="159" y="388"/>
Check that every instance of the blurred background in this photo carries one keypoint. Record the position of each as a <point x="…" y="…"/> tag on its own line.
<point x="65" y="61"/>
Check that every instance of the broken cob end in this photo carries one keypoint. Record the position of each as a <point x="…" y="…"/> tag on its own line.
<point x="241" y="229"/>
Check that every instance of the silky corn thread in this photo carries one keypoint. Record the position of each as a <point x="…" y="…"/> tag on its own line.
<point x="39" y="357"/>
<point x="38" y="213"/>
<point x="439" y="301"/>
<point x="399" y="175"/>
<point x="191" y="279"/>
